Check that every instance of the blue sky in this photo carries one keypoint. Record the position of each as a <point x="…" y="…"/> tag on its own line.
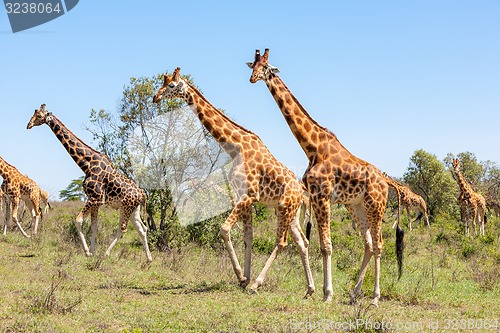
<point x="388" y="77"/>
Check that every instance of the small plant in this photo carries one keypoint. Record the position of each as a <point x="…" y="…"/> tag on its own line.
<point x="48" y="302"/>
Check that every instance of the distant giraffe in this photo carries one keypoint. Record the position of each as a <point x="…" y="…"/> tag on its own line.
<point x="408" y="200"/>
<point x="256" y="176"/>
<point x="472" y="204"/>
<point x="494" y="205"/>
<point x="334" y="175"/>
<point x="103" y="184"/>
<point x="15" y="187"/>
<point x="44" y="201"/>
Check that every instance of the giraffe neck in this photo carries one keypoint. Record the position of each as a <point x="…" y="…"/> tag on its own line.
<point x="81" y="153"/>
<point x="306" y="130"/>
<point x="5" y="169"/>
<point x="225" y="131"/>
<point x="462" y="183"/>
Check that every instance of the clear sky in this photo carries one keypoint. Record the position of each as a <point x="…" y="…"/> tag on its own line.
<point x="388" y="77"/>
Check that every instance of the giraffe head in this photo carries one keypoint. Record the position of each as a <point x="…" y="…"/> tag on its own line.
<point x="261" y="70"/>
<point x="456" y="164"/>
<point x="173" y="86"/>
<point x="40" y="117"/>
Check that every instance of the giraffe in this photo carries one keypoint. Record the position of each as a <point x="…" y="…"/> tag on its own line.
<point x="256" y="176"/>
<point x="44" y="200"/>
<point x="472" y="204"/>
<point x="103" y="184"/>
<point x="16" y="187"/>
<point x="494" y="205"/>
<point x="333" y="175"/>
<point x="408" y="200"/>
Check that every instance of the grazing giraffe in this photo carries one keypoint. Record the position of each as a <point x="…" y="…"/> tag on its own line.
<point x="256" y="176"/>
<point x="472" y="204"/>
<point x="333" y="175"/>
<point x="15" y="187"/>
<point x="408" y="200"/>
<point x="493" y="204"/>
<point x="44" y="200"/>
<point x="103" y="184"/>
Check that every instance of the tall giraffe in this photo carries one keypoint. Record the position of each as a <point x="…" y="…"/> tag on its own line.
<point x="408" y="200"/>
<point x="103" y="184"/>
<point x="256" y="176"/>
<point x="15" y="187"/>
<point x="472" y="204"/>
<point x="333" y="175"/>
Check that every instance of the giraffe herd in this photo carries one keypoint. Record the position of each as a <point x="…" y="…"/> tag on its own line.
<point x="333" y="176"/>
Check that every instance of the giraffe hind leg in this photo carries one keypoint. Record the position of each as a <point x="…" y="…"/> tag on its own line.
<point x="15" y="205"/>
<point x="87" y="208"/>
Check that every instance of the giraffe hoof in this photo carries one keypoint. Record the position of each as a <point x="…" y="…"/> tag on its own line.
<point x="244" y="283"/>
<point x="374" y="303"/>
<point x="252" y="291"/>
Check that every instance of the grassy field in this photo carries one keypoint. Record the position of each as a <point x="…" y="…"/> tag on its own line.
<point x="450" y="283"/>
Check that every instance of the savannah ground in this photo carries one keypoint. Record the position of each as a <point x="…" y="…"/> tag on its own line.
<point x="450" y="283"/>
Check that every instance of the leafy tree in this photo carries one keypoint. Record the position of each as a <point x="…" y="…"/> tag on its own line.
<point x="427" y="176"/>
<point x="74" y="191"/>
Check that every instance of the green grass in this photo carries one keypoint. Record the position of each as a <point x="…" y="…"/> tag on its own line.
<point x="48" y="285"/>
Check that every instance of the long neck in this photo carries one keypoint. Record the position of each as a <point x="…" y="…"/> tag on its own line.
<point x="306" y="130"/>
<point x="462" y="182"/>
<point x="5" y="168"/>
<point x="226" y="132"/>
<point x="81" y="153"/>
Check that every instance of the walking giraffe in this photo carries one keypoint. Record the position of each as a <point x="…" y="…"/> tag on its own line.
<point x="408" y="200"/>
<point x="472" y="204"/>
<point x="256" y="176"/>
<point x="333" y="175"/>
<point x="103" y="184"/>
<point x="15" y="187"/>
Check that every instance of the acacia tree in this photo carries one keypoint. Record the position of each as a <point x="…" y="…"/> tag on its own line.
<point x="427" y="176"/>
<point x="74" y="191"/>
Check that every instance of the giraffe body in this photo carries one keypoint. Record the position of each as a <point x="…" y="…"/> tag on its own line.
<point x="333" y="175"/>
<point x="103" y="184"/>
<point x="472" y="204"/>
<point x="16" y="187"/>
<point x="408" y="200"/>
<point x="256" y="176"/>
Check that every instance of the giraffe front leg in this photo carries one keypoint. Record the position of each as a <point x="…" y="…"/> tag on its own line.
<point x="244" y="205"/>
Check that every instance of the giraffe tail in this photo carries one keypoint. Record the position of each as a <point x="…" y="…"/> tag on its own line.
<point x="400" y="233"/>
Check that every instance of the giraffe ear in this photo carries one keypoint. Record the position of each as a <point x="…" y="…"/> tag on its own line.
<point x="273" y="69"/>
<point x="250" y="65"/>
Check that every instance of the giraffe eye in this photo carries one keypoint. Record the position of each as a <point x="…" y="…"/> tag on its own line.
<point x="172" y="85"/>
